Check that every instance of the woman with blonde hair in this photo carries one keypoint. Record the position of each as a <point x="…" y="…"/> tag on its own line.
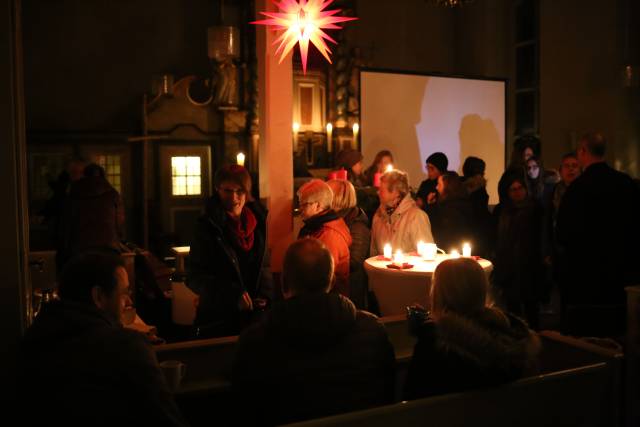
<point x="344" y="204"/>
<point x="466" y="343"/>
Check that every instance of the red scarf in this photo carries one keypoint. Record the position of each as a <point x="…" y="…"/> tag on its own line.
<point x="242" y="228"/>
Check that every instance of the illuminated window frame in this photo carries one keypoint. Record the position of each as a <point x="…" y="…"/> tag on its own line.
<point x="112" y="165"/>
<point x="186" y="176"/>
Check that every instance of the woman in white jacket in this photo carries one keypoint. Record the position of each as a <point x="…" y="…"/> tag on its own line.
<point x="398" y="221"/>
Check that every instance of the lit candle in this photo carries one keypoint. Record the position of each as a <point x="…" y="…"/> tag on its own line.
<point x="356" y="129"/>
<point x="296" y="129"/>
<point x="387" y="251"/>
<point x="421" y="248"/>
<point x="454" y="254"/>
<point x="398" y="258"/>
<point x="429" y="251"/>
<point x="466" y="250"/>
<point x="389" y="168"/>
<point x="240" y="159"/>
<point x="329" y="137"/>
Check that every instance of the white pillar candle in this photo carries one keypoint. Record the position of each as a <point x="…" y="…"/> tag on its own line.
<point x="387" y="251"/>
<point x="356" y="129"/>
<point x="296" y="129"/>
<point x="329" y="137"/>
<point x="466" y="250"/>
<point x="240" y="159"/>
<point x="421" y="248"/>
<point x="454" y="254"/>
<point x="398" y="258"/>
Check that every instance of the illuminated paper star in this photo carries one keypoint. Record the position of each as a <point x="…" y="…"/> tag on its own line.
<point x="302" y="21"/>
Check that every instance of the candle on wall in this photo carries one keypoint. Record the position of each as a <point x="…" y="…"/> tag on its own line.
<point x="454" y="253"/>
<point x="466" y="250"/>
<point x="296" y="129"/>
<point x="356" y="129"/>
<point x="329" y="137"/>
<point x="387" y="251"/>
<point x="240" y="159"/>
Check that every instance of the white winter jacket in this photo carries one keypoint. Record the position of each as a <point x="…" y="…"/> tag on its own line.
<point x="403" y="229"/>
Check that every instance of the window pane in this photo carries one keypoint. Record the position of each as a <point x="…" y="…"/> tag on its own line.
<point x="193" y="165"/>
<point x="193" y="185"/>
<point x="178" y="166"/>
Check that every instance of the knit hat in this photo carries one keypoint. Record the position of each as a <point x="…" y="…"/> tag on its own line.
<point x="348" y="157"/>
<point x="439" y="160"/>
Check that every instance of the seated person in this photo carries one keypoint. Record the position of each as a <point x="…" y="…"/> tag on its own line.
<point x="398" y="221"/>
<point x="344" y="204"/>
<point x="80" y="367"/>
<point x="437" y="164"/>
<point x="315" y="354"/>
<point x="229" y="267"/>
<point x="465" y="343"/>
<point x="323" y="223"/>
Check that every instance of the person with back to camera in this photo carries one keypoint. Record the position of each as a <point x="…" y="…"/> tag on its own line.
<point x="465" y="343"/>
<point x="437" y="164"/>
<point x="314" y="354"/>
<point x="344" y="204"/>
<point x="398" y="221"/>
<point x="80" y="367"/>
<point x="229" y="265"/>
<point x="475" y="183"/>
<point x="598" y="229"/>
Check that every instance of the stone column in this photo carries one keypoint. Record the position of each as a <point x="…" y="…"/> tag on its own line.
<point x="275" y="92"/>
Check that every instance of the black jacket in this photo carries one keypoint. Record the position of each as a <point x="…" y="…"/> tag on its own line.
<point x="358" y="224"/>
<point x="313" y="356"/>
<point x="598" y="229"/>
<point x="218" y="272"/>
<point x="78" y="367"/>
<point x="458" y="353"/>
<point x="451" y="222"/>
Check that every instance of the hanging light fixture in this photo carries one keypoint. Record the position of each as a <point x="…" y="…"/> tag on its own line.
<point x="450" y="3"/>
<point x="301" y="22"/>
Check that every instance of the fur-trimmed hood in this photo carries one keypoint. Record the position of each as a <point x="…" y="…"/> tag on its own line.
<point x="494" y="342"/>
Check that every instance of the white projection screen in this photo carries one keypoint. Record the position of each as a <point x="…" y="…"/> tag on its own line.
<point x="416" y="115"/>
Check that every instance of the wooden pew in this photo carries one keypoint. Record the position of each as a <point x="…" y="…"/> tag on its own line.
<point x="209" y="362"/>
<point x="566" y="398"/>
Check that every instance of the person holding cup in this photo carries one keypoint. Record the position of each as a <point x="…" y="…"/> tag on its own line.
<point x="229" y="266"/>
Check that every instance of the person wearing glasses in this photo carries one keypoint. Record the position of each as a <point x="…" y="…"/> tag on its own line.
<point x="229" y="268"/>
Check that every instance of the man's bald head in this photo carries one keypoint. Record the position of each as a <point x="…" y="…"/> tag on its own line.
<point x="308" y="267"/>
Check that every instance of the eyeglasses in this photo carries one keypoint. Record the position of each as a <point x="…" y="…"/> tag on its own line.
<point x="231" y="191"/>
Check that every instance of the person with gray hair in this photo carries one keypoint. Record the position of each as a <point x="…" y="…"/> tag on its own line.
<point x="598" y="233"/>
<point x="321" y="221"/>
<point x="315" y="354"/>
<point x="398" y="221"/>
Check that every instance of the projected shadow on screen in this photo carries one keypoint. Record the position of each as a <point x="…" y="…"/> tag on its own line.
<point x="400" y="134"/>
<point x="479" y="137"/>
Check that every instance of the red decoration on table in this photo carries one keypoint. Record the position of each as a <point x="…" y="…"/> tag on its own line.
<point x="405" y="266"/>
<point x="332" y="175"/>
<point x="376" y="179"/>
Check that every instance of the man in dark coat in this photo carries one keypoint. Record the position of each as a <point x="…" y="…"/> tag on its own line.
<point x="80" y="367"/>
<point x="437" y="164"/>
<point x="314" y="354"/>
<point x="598" y="227"/>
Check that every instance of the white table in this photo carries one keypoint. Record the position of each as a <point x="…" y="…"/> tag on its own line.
<point x="396" y="289"/>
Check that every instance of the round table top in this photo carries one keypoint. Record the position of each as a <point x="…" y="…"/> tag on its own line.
<point x="420" y="267"/>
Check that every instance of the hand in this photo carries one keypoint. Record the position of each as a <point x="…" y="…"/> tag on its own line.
<point x="431" y="198"/>
<point x="245" y="303"/>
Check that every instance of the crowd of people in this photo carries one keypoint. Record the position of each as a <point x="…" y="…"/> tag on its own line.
<point x="315" y="349"/>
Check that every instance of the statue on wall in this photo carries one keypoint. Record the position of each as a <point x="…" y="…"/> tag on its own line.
<point x="226" y="84"/>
